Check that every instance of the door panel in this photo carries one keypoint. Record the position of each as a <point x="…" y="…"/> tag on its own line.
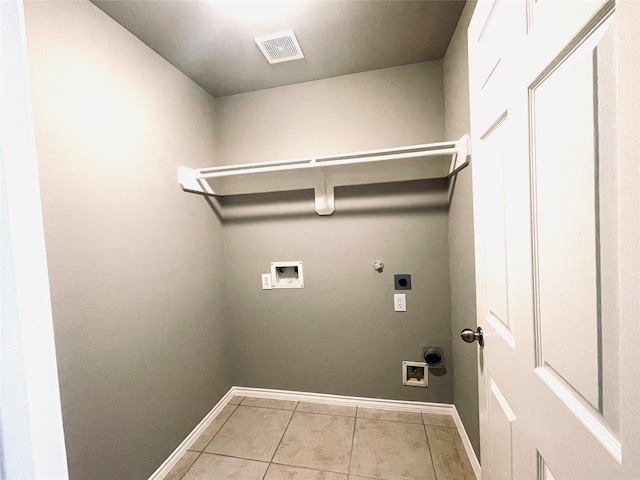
<point x="567" y="192"/>
<point x="563" y="161"/>
<point x="492" y="52"/>
<point x="544" y="473"/>
<point x="494" y="226"/>
<point x="550" y="203"/>
<point x="501" y="421"/>
<point x="609" y="226"/>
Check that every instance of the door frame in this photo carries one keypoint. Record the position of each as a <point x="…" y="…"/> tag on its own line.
<point x="31" y="431"/>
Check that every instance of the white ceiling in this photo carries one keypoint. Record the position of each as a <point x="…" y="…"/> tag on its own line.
<point x="212" y="42"/>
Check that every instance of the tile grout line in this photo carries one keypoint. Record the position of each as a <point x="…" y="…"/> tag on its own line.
<point x="253" y="459"/>
<point x="269" y="408"/>
<point x="221" y="426"/>
<point x="266" y="471"/>
<point x="387" y="420"/>
<point x="293" y="412"/>
<point x="237" y="458"/>
<point x="353" y="440"/>
<point x="264" y="475"/>
<point x="205" y="447"/>
<point x="298" y="467"/>
<point x="311" y="468"/>
<point x="328" y="413"/>
<point x="435" y="424"/>
<point x="433" y="465"/>
<point x="192" y="464"/>
<point x="269" y="464"/>
<point x="421" y="422"/>
<point x="228" y="456"/>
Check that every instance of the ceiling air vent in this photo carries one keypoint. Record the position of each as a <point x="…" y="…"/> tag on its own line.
<point x="280" y="48"/>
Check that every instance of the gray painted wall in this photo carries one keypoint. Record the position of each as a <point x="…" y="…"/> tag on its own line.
<point x="135" y="264"/>
<point x="139" y="273"/>
<point x="462" y="263"/>
<point x="339" y="334"/>
<point x="365" y="111"/>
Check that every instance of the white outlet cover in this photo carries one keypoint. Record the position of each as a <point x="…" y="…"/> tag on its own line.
<point x="400" y="302"/>
<point x="266" y="281"/>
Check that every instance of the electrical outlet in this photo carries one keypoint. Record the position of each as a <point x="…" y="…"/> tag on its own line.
<point x="266" y="281"/>
<point x="400" y="302"/>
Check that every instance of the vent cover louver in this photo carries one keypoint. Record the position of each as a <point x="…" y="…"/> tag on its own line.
<point x="280" y="48"/>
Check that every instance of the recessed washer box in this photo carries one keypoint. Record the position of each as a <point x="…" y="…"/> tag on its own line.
<point x="414" y="374"/>
<point x="287" y="275"/>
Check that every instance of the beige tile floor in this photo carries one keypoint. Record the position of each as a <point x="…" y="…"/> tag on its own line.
<point x="260" y="439"/>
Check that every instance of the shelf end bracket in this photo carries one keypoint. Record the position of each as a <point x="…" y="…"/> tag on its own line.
<point x="325" y="199"/>
<point x="461" y="157"/>
<point x="188" y="179"/>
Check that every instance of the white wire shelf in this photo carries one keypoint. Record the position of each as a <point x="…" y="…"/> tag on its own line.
<point x="414" y="162"/>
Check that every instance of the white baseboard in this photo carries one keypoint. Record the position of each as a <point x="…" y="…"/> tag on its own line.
<point x="473" y="458"/>
<point x="164" y="469"/>
<point x="327" y="399"/>
<point x="345" y="401"/>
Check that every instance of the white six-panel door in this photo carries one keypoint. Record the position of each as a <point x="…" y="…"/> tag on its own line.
<point x="556" y="206"/>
